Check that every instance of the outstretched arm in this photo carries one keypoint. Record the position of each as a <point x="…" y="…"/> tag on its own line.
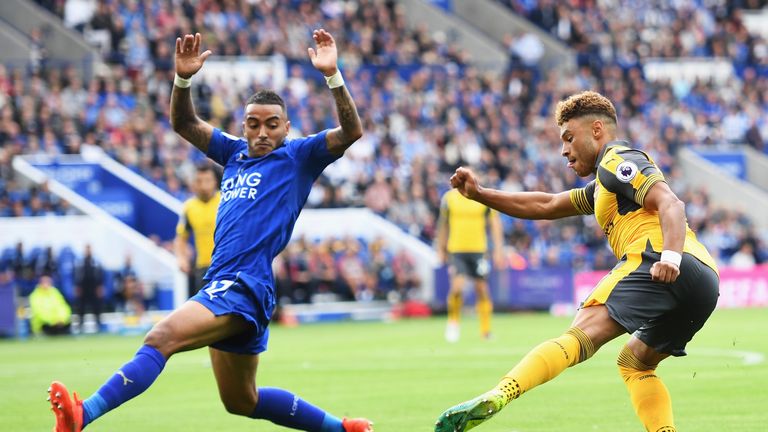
<point x="324" y="58"/>
<point x="184" y="120"/>
<point x="524" y="205"/>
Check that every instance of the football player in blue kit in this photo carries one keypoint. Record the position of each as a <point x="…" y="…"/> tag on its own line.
<point x="267" y="178"/>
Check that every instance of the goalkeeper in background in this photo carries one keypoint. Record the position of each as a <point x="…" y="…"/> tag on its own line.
<point x="662" y="290"/>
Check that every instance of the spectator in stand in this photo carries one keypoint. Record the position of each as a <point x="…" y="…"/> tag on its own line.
<point x="407" y="280"/>
<point x="23" y="271"/>
<point x="46" y="264"/>
<point x="325" y="277"/>
<point x="298" y="271"/>
<point x="353" y="272"/>
<point x="89" y="291"/>
<point x="132" y="295"/>
<point x="50" y="313"/>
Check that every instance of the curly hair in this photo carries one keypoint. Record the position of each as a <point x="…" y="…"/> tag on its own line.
<point x="583" y="104"/>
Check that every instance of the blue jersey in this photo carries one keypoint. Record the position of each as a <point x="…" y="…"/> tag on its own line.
<point x="261" y="198"/>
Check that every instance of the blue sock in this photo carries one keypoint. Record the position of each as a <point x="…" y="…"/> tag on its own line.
<point x="128" y="382"/>
<point x="286" y="409"/>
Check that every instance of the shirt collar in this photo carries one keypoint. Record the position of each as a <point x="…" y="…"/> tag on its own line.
<point x="607" y="147"/>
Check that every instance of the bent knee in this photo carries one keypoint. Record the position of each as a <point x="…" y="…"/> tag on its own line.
<point x="629" y="364"/>
<point x="163" y="338"/>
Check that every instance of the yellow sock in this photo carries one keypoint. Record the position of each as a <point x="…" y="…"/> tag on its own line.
<point x="455" y="301"/>
<point x="545" y="362"/>
<point x="484" y="312"/>
<point x="649" y="395"/>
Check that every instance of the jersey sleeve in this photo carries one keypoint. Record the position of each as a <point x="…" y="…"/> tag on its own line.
<point x="444" y="206"/>
<point x="629" y="173"/>
<point x="312" y="150"/>
<point x="183" y="228"/>
<point x="222" y="146"/>
<point x="583" y="199"/>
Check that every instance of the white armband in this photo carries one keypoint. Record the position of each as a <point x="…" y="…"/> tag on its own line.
<point x="335" y="80"/>
<point x="182" y="82"/>
<point x="671" y="257"/>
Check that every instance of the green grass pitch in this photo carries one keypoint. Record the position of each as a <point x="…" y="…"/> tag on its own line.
<point x="402" y="375"/>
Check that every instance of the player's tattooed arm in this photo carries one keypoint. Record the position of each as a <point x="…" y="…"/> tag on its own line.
<point x="350" y="127"/>
<point x="185" y="122"/>
<point x="325" y="59"/>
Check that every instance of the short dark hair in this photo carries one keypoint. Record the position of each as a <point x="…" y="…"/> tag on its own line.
<point x="266" y="97"/>
<point x="207" y="167"/>
<point x="584" y="104"/>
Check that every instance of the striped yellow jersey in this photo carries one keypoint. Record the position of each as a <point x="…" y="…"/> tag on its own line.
<point x="615" y="197"/>
<point x="467" y="223"/>
<point x="198" y="218"/>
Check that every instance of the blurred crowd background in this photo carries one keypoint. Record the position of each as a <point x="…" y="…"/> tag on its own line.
<point x="425" y="111"/>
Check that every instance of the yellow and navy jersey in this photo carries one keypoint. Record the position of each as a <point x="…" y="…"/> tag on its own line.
<point x="615" y="197"/>
<point x="198" y="218"/>
<point x="467" y="223"/>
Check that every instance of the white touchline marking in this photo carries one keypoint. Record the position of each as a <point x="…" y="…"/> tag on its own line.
<point x="748" y="358"/>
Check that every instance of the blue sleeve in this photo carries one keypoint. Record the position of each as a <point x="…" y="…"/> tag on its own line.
<point x="222" y="146"/>
<point x="312" y="150"/>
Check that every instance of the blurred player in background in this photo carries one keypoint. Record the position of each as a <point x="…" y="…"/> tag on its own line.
<point x="266" y="181"/>
<point x="198" y="217"/>
<point x="462" y="242"/>
<point x="663" y="289"/>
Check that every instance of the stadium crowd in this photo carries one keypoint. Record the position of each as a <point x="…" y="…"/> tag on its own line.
<point x="328" y="269"/>
<point x="425" y="111"/>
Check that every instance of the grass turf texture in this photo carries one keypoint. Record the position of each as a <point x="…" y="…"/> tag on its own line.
<point x="403" y="375"/>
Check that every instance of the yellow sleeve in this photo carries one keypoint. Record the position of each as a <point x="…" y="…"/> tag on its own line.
<point x="182" y="228"/>
<point x="583" y="199"/>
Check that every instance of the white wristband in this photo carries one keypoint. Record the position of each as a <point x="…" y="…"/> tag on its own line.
<point x="182" y="82"/>
<point x="335" y="80"/>
<point x="671" y="257"/>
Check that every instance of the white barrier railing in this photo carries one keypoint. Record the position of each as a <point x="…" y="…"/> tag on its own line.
<point x="110" y="239"/>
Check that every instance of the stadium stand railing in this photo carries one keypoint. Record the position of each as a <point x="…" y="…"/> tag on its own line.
<point x="757" y="167"/>
<point x="57" y="40"/>
<point x="499" y="23"/>
<point x="105" y="233"/>
<point x="737" y="194"/>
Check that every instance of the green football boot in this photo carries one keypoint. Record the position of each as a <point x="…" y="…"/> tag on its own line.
<point x="467" y="415"/>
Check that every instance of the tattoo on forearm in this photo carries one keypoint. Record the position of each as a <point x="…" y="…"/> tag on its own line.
<point x="183" y="117"/>
<point x="349" y="120"/>
<point x="182" y="109"/>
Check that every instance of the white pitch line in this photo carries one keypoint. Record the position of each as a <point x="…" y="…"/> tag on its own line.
<point x="748" y="358"/>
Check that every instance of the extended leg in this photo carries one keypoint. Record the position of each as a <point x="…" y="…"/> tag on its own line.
<point x="191" y="326"/>
<point x="236" y="379"/>
<point x="591" y="328"/>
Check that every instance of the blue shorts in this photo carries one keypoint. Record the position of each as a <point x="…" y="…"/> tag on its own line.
<point x="254" y="303"/>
